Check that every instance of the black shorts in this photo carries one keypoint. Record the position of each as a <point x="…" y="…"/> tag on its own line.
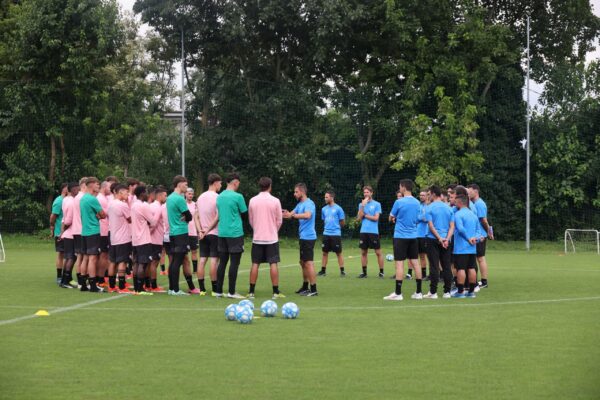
<point x="78" y="244"/>
<point x="422" y="243"/>
<point x="193" y="243"/>
<point x="156" y="251"/>
<point x="231" y="245"/>
<point x="180" y="243"/>
<point x="119" y="253"/>
<point x="143" y="253"/>
<point x="59" y="244"/>
<point x="265" y="253"/>
<point x="369" y="241"/>
<point x="209" y="246"/>
<point x="91" y="245"/>
<point x="167" y="247"/>
<point x="481" y="248"/>
<point x="332" y="244"/>
<point x="406" y="249"/>
<point x="307" y="250"/>
<point x="104" y="244"/>
<point x="464" y="261"/>
<point x="69" y="249"/>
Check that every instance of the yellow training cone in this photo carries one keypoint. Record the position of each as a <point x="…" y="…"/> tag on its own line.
<point x="42" y="313"/>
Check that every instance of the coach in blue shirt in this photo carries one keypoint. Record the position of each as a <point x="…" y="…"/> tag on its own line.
<point x="369" y="212"/>
<point x="465" y="240"/>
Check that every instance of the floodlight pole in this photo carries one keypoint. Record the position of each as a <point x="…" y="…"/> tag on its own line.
<point x="527" y="149"/>
<point x="182" y="107"/>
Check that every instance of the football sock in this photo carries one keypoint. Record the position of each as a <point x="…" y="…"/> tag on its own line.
<point x="190" y="282"/>
<point x="162" y="267"/>
<point x="364" y="268"/>
<point x="99" y="280"/>
<point x="121" y="282"/>
<point x="419" y="286"/>
<point x="195" y="265"/>
<point x="252" y="286"/>
<point x="313" y="288"/>
<point x="201" y="285"/>
<point x="111" y="281"/>
<point x="483" y="281"/>
<point x="342" y="269"/>
<point x="323" y="269"/>
<point x="304" y="285"/>
<point x="461" y="287"/>
<point x="59" y="273"/>
<point x="398" y="287"/>
<point x="92" y="281"/>
<point x="214" y="286"/>
<point x="409" y="271"/>
<point x="79" y="279"/>
<point x="153" y="284"/>
<point x="276" y="289"/>
<point x="472" y="287"/>
<point x="381" y="270"/>
<point x="148" y="282"/>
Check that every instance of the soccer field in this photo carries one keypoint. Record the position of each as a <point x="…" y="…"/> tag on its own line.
<point x="532" y="334"/>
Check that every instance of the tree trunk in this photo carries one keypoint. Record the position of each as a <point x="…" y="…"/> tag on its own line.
<point x="51" y="171"/>
<point x="62" y="156"/>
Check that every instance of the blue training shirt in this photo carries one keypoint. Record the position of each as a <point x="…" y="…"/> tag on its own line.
<point x="332" y="215"/>
<point x="422" y="226"/>
<point x="465" y="227"/>
<point x="441" y="215"/>
<point x="306" y="227"/>
<point x="372" y="208"/>
<point x="481" y="212"/>
<point x="406" y="211"/>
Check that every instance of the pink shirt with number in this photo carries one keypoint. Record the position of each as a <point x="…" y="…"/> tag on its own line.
<point x="104" y="203"/>
<point x="192" y="225"/>
<point x="67" y="209"/>
<point x="206" y="206"/>
<point x="157" y="233"/>
<point x="120" y="228"/>
<point x="142" y="219"/>
<point x="265" y="217"/>
<point x="76" y="226"/>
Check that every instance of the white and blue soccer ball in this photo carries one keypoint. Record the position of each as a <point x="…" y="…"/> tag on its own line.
<point x="290" y="311"/>
<point x="389" y="257"/>
<point x="268" y="308"/>
<point x="244" y="314"/>
<point x="230" y="312"/>
<point x="247" y="303"/>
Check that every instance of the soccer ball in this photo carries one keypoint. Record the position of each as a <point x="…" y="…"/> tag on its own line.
<point x="290" y="311"/>
<point x="389" y="257"/>
<point x="247" y="303"/>
<point x="230" y="312"/>
<point x="268" y="308"/>
<point x="244" y="314"/>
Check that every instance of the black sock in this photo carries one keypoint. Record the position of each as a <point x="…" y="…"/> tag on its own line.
<point x="201" y="285"/>
<point x="153" y="283"/>
<point x="59" y="273"/>
<point x="162" y="267"/>
<point x="304" y="285"/>
<point x="190" y="282"/>
<point x="419" y="281"/>
<point x="275" y="289"/>
<point x="472" y="287"/>
<point x="92" y="280"/>
<point x="121" y="282"/>
<point x="79" y="279"/>
<point x="342" y="269"/>
<point x="461" y="287"/>
<point x="483" y="281"/>
<point x="323" y="269"/>
<point x="398" y="286"/>
<point x="364" y="269"/>
<point x="381" y="270"/>
<point x="213" y="284"/>
<point x="409" y="271"/>
<point x="313" y="288"/>
<point x="148" y="282"/>
<point x="111" y="281"/>
<point x="195" y="265"/>
<point x="252" y="286"/>
<point x="423" y="272"/>
<point x="99" y="280"/>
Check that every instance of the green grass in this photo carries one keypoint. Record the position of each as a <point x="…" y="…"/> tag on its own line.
<point x="527" y="336"/>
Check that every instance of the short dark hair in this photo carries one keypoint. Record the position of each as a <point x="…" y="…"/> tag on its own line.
<point x="111" y="178"/>
<point x="451" y="187"/>
<point x="131" y="182"/>
<point x="232" y="177"/>
<point x="72" y="185"/>
<point x="83" y="181"/>
<point x="460" y="190"/>
<point x="474" y="186"/>
<point x="330" y="193"/>
<point x="462" y="199"/>
<point x="151" y="190"/>
<point x="369" y="188"/>
<point x="212" y="178"/>
<point x="264" y="183"/>
<point x="91" y="179"/>
<point x="139" y="191"/>
<point x="435" y="190"/>
<point x="64" y="185"/>
<point x="407" y="184"/>
<point x="178" y="179"/>
<point x="116" y="187"/>
<point x="160" y="189"/>
<point x="301" y="186"/>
